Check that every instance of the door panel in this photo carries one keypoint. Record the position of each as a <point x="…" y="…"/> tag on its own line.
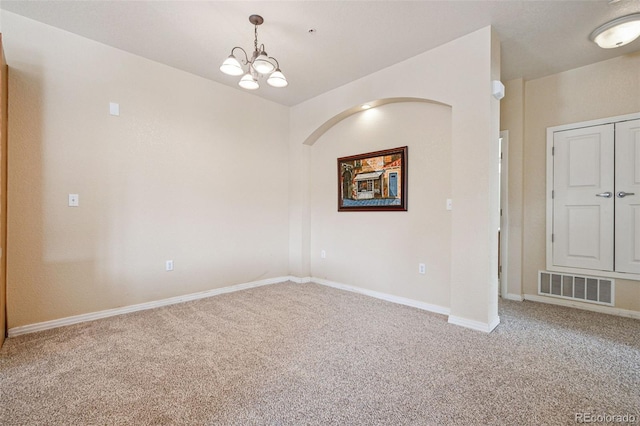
<point x="583" y="167"/>
<point x="583" y="244"/>
<point x="627" y="206"/>
<point x="393" y="185"/>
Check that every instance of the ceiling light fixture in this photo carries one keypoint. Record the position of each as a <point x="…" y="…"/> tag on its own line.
<point x="260" y="64"/>
<point x="618" y="32"/>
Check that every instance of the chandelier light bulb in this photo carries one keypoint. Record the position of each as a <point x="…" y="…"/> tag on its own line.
<point x="231" y="66"/>
<point x="277" y="79"/>
<point x="618" y="32"/>
<point x="262" y="64"/>
<point x="248" y="82"/>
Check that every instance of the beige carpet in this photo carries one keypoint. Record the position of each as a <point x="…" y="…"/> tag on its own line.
<point x="305" y="354"/>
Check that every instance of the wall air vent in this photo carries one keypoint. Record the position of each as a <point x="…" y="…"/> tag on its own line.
<point x="576" y="287"/>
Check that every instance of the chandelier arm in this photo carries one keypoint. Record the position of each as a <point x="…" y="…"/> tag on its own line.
<point x="246" y="57"/>
<point x="277" y="64"/>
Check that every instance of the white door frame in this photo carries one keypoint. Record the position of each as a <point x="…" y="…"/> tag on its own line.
<point x="504" y="212"/>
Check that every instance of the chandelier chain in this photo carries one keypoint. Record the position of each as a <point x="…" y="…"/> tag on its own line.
<point x="255" y="38"/>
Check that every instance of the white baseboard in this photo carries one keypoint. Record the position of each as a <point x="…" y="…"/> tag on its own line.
<point x="384" y="296"/>
<point x="513" y="296"/>
<point x="299" y="280"/>
<point x="474" y="325"/>
<point x="463" y="322"/>
<point x="585" y="306"/>
<point x="46" y="325"/>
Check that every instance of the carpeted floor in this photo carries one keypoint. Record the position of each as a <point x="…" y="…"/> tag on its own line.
<point x="305" y="354"/>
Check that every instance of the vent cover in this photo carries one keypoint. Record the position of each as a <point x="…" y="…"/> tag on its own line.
<point x="576" y="287"/>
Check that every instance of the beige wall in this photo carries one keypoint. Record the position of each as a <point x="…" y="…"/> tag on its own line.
<point x="191" y="171"/>
<point x="380" y="251"/>
<point x="182" y="175"/>
<point x="457" y="74"/>
<point x="600" y="90"/>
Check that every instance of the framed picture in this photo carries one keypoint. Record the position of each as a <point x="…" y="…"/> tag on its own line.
<point x="375" y="181"/>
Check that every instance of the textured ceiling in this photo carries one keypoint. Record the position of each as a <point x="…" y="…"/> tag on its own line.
<point x="352" y="38"/>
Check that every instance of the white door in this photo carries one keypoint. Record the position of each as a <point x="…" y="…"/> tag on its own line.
<point x="583" y="201"/>
<point x="628" y="197"/>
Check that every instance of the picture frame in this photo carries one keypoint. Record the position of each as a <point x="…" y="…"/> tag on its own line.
<point x="374" y="181"/>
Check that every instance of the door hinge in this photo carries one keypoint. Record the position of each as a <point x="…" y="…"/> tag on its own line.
<point x="552" y="237"/>
<point x="500" y="212"/>
<point x="553" y="150"/>
<point x="553" y="194"/>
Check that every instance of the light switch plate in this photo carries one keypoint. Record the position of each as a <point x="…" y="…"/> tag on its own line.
<point x="114" y="108"/>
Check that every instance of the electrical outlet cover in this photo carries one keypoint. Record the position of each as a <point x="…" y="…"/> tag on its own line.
<point x="74" y="200"/>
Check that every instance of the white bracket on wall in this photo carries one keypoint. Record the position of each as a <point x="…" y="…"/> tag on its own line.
<point x="497" y="89"/>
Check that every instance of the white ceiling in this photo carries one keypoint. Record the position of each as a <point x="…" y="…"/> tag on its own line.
<point x="352" y="38"/>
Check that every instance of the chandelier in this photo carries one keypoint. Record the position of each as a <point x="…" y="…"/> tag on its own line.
<point x="260" y="64"/>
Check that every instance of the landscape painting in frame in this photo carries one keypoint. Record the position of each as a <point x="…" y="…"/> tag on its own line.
<point x="375" y="181"/>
